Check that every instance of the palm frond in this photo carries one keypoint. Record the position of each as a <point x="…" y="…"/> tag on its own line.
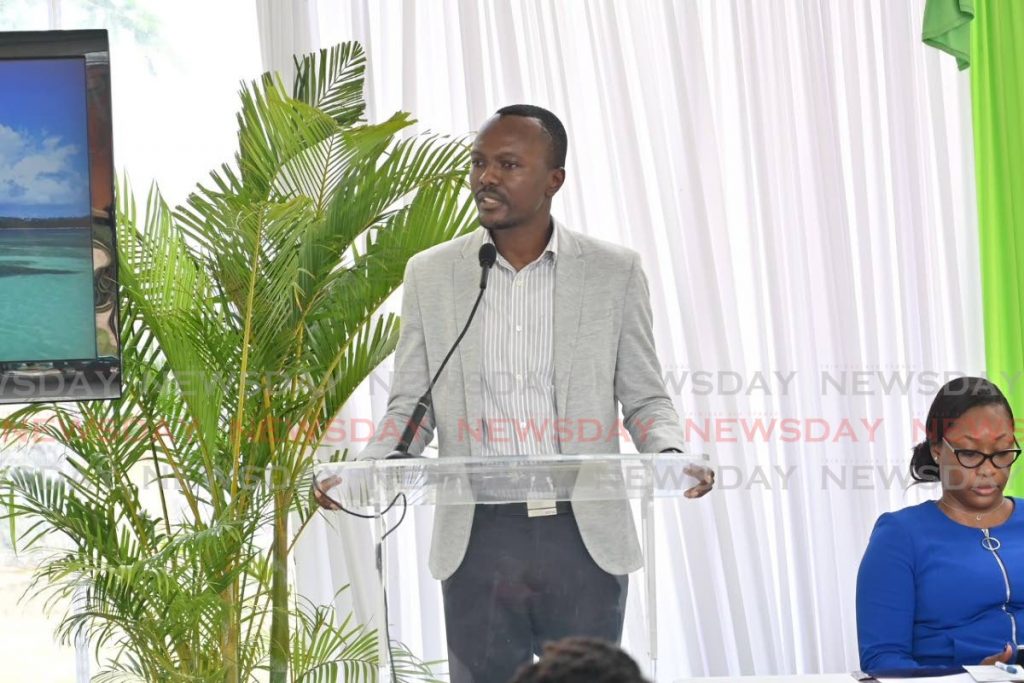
<point x="248" y="317"/>
<point x="332" y="81"/>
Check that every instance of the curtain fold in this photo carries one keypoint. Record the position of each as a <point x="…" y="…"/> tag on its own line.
<point x="997" y="96"/>
<point x="287" y="28"/>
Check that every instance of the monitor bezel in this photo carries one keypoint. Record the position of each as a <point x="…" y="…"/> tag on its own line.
<point x="82" y="379"/>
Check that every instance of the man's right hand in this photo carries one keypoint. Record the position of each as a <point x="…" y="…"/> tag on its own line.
<point x="320" y="489"/>
<point x="1006" y="656"/>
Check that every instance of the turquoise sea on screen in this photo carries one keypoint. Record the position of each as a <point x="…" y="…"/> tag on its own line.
<point x="46" y="294"/>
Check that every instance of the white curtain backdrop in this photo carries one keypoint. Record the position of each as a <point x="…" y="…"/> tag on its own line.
<point x="797" y="176"/>
<point x="286" y="29"/>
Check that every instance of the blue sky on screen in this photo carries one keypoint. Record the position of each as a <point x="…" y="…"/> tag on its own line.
<point x="44" y="151"/>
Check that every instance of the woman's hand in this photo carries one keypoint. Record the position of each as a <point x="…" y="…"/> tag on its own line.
<point x="1005" y="657"/>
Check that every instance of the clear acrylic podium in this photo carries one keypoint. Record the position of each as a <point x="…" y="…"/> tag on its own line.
<point x="372" y="487"/>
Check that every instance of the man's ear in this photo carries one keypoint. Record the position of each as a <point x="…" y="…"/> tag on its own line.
<point x="555" y="181"/>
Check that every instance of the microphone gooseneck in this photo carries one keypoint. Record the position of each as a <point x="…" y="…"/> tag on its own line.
<point x="487" y="255"/>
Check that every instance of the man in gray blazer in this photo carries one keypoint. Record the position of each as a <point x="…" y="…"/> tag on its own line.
<point x="562" y="338"/>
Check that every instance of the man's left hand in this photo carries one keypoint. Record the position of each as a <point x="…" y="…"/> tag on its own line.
<point x="705" y="477"/>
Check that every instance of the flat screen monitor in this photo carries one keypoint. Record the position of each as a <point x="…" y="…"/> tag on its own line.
<point x="59" y="334"/>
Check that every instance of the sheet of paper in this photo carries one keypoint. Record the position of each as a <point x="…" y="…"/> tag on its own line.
<point x="956" y="678"/>
<point x="984" y="674"/>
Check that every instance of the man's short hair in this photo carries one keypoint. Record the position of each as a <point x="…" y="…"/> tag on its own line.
<point x="551" y="125"/>
<point x="581" y="660"/>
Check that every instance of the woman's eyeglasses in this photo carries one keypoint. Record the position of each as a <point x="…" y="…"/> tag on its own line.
<point x="972" y="459"/>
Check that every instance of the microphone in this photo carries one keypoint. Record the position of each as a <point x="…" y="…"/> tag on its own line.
<point x="487" y="255"/>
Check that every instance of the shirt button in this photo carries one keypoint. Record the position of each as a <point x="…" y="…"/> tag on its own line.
<point x="519" y="283"/>
<point x="519" y="328"/>
<point x="519" y="378"/>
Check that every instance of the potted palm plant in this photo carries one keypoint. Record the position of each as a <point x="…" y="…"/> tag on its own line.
<point x="248" y="317"/>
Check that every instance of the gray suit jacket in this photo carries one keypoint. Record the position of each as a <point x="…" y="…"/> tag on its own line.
<point x="604" y="357"/>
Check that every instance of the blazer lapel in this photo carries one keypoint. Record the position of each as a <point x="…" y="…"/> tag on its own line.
<point x="465" y="288"/>
<point x="569" y="277"/>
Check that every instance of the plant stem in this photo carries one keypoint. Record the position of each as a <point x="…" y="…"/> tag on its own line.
<point x="230" y="596"/>
<point x="279" y="636"/>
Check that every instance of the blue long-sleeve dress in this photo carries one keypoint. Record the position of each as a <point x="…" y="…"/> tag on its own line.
<point x="929" y="593"/>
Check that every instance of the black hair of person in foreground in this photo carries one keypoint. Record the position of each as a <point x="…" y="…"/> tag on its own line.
<point x="581" y="660"/>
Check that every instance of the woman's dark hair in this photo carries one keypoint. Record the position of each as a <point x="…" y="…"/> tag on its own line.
<point x="953" y="400"/>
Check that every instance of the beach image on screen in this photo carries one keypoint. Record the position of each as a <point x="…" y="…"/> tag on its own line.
<point x="46" y="251"/>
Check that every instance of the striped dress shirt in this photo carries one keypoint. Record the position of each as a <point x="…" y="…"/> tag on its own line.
<point x="517" y="358"/>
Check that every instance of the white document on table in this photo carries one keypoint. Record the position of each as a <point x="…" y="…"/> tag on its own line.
<point x="984" y="674"/>
<point x="955" y="678"/>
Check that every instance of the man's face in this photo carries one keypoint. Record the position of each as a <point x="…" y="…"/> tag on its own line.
<point x="510" y="174"/>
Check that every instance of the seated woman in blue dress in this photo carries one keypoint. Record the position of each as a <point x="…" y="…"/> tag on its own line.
<point x="942" y="583"/>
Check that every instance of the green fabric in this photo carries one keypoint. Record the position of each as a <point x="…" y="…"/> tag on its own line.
<point x="947" y="26"/>
<point x="997" y="97"/>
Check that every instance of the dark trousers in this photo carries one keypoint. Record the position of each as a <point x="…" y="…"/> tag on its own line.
<point x="523" y="582"/>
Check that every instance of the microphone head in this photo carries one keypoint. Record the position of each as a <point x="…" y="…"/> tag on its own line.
<point x="488" y="255"/>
